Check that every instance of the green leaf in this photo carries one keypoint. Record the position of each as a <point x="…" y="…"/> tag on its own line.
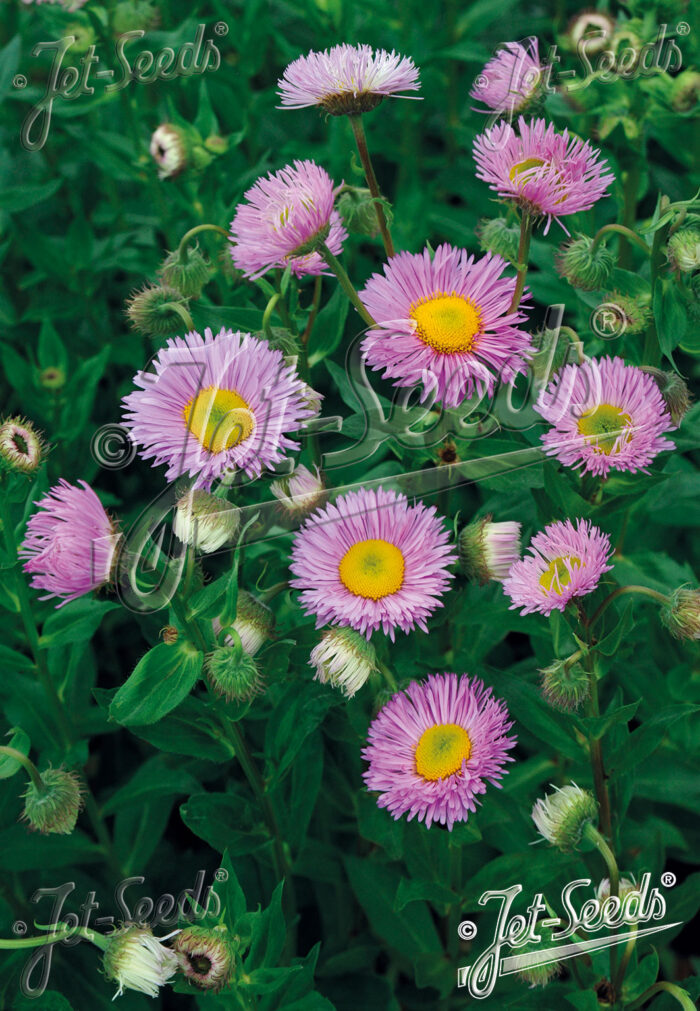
<point x="155" y="778"/>
<point x="18" y="198"/>
<point x="669" y="315"/>
<point x="20" y="742"/>
<point x="328" y="328"/>
<point x="647" y="738"/>
<point x="75" y="622"/>
<point x="51" y="1000"/>
<point x="51" y="352"/>
<point x="160" y="680"/>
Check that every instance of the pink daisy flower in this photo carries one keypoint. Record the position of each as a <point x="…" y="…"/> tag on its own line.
<point x="346" y="80"/>
<point x="510" y="80"/>
<point x="443" y="322"/>
<point x="433" y="749"/>
<point x="286" y="215"/>
<point x="563" y="562"/>
<point x="606" y="415"/>
<point x="70" y="543"/>
<point x="371" y="560"/>
<point x="548" y="174"/>
<point x="216" y="404"/>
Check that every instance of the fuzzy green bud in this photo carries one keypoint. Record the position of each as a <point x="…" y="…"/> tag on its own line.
<point x="52" y="378"/>
<point x="497" y="236"/>
<point x="187" y="274"/>
<point x="154" y="310"/>
<point x="357" y="208"/>
<point x="488" y="550"/>
<point x="53" y="810"/>
<point x="562" y="816"/>
<point x="565" y="684"/>
<point x="207" y="956"/>
<point x="583" y="266"/>
<point x="233" y="673"/>
<point x="683" y="250"/>
<point x="280" y="339"/>
<point x="674" y="391"/>
<point x="525" y="960"/>
<point x="132" y="15"/>
<point x="634" y="313"/>
<point x="22" y="447"/>
<point x="681" y="615"/>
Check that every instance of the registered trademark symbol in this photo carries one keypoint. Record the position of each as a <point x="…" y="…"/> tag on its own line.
<point x="221" y="28"/>
<point x="683" y="28"/>
<point x="467" y="930"/>
<point x="19" y="81"/>
<point x="221" y="874"/>
<point x="608" y="321"/>
<point x="19" y="927"/>
<point x="668" y="879"/>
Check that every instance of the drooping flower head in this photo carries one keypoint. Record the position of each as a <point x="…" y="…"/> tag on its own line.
<point x="168" y="149"/>
<point x="511" y="78"/>
<point x="205" y="521"/>
<point x="548" y="174"/>
<point x="70" y="543"/>
<point x="443" y="321"/>
<point x="254" y="623"/>
<point x="343" y="659"/>
<point x="563" y="562"/>
<point x="285" y="216"/>
<point x="433" y="749"/>
<point x="561" y="817"/>
<point x="215" y="404"/>
<point x="346" y="80"/>
<point x="371" y="560"/>
<point x="137" y="960"/>
<point x="207" y="956"/>
<point x="54" y="809"/>
<point x="605" y="415"/>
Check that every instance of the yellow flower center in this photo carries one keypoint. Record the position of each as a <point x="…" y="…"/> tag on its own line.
<point x="219" y="419"/>
<point x="604" y="426"/>
<point x="372" y="569"/>
<point x="522" y="171"/>
<point x="556" y="576"/>
<point x="448" y="323"/>
<point x="441" y="751"/>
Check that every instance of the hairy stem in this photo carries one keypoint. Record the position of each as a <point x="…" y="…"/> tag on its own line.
<point x="345" y="283"/>
<point x="361" y="141"/>
<point x="182" y="248"/>
<point x="675" y="991"/>
<point x="27" y="763"/>
<point x="526" y="224"/>
<point x="622" y="591"/>
<point x="622" y="230"/>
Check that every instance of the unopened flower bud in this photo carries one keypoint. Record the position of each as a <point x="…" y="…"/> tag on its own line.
<point x="686" y="89"/>
<point x="561" y="817"/>
<point x="634" y="313"/>
<point x="188" y="275"/>
<point x="136" y="960"/>
<point x="169" y="634"/>
<point x="301" y="492"/>
<point x="447" y="454"/>
<point x="583" y="266"/>
<point x="525" y="960"/>
<point x="625" y="887"/>
<point x="683" y="250"/>
<point x="674" y="391"/>
<point x="54" y="809"/>
<point x="357" y="208"/>
<point x="281" y="339"/>
<point x="488" y="550"/>
<point x="83" y="34"/>
<point x="131" y="15"/>
<point x="565" y="685"/>
<point x="22" y="447"/>
<point x="52" y="378"/>
<point x="591" y="30"/>
<point x="152" y="311"/>
<point x="169" y="149"/>
<point x="497" y="236"/>
<point x="216" y="144"/>
<point x="233" y="673"/>
<point x="207" y="956"/>
<point x="254" y="623"/>
<point x="344" y="659"/>
<point x="554" y="349"/>
<point x="681" y="615"/>
<point x="205" y="521"/>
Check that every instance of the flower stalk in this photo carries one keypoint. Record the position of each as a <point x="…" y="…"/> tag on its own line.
<point x="361" y="141"/>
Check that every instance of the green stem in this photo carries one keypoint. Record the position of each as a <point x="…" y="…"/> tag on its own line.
<point x="622" y="230"/>
<point x="270" y="594"/>
<point x="629" y="213"/>
<point x="675" y="991"/>
<point x="361" y="141"/>
<point x="181" y="312"/>
<point x="316" y="301"/>
<point x="345" y="283"/>
<point x="526" y="224"/>
<point x="190" y="628"/>
<point x="61" y="935"/>
<point x="272" y="302"/>
<point x="182" y="248"/>
<point x="621" y="591"/>
<point x="652" y="348"/>
<point x="25" y="761"/>
<point x="388" y="676"/>
<point x="596" y="751"/>
<point x="624" y="961"/>
<point x="593" y="835"/>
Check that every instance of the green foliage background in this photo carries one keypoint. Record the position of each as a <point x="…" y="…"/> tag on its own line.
<point x="83" y="222"/>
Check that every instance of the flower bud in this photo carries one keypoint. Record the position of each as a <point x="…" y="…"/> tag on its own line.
<point x="553" y="351"/>
<point x="681" y="615"/>
<point x="22" y="447"/>
<point x="683" y="250"/>
<point x="54" y="809"/>
<point x="169" y="148"/>
<point x="216" y="144"/>
<point x="561" y="817"/>
<point x="233" y="673"/>
<point x="590" y="29"/>
<point x="344" y="659"/>
<point x="254" y="623"/>
<point x="565" y="685"/>
<point x="583" y="266"/>
<point x="497" y="236"/>
<point x="526" y="965"/>
<point x="357" y="208"/>
<point x="626" y="887"/>
<point x="52" y="378"/>
<point x="634" y="313"/>
<point x="169" y="634"/>
<point x="207" y="956"/>
<point x="83" y="34"/>
<point x="447" y="454"/>
<point x="686" y="88"/>
<point x="136" y="960"/>
<point x="280" y="339"/>
<point x="487" y="550"/>
<point x="674" y="391"/>
<point x="151" y="310"/>
<point x="188" y="275"/>
<point x="301" y="492"/>
<point x="205" y="521"/>
<point x="131" y="15"/>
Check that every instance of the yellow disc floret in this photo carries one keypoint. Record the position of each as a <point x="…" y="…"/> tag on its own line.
<point x="606" y="428"/>
<point x="372" y="569"/>
<point x="448" y="323"/>
<point x="219" y="419"/>
<point x="441" y="751"/>
<point x="557" y="575"/>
